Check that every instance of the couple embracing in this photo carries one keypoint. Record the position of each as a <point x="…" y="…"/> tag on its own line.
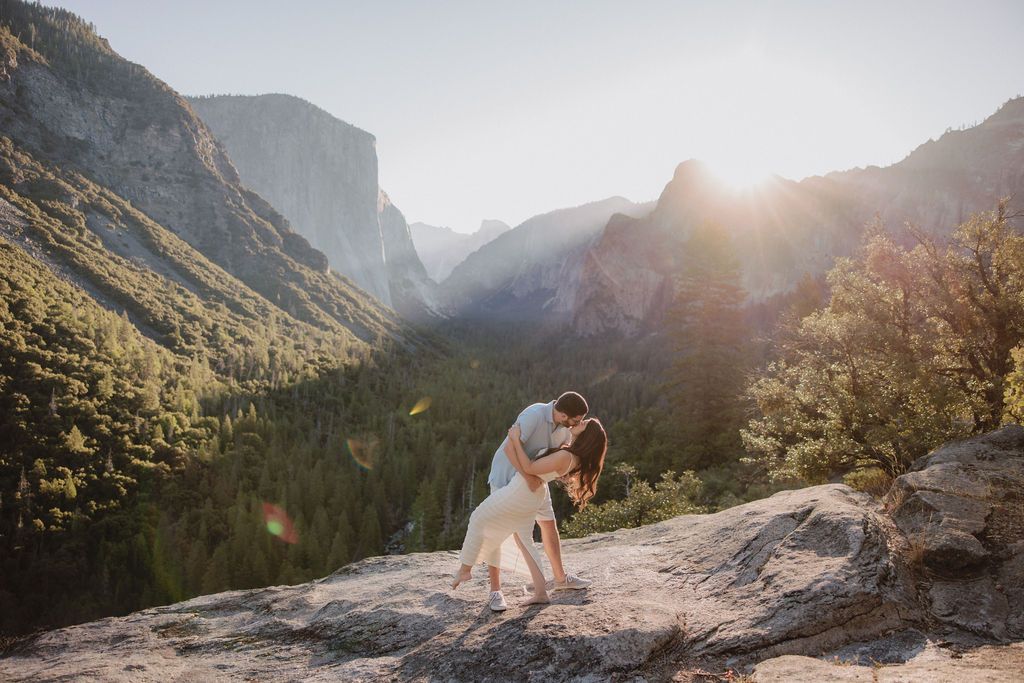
<point x="548" y="441"/>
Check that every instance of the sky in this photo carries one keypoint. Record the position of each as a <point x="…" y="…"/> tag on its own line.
<point x="486" y="110"/>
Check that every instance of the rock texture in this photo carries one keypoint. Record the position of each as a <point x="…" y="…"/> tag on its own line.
<point x="987" y="664"/>
<point x="441" y="249"/>
<point x="784" y="230"/>
<point x="819" y="572"/>
<point x="412" y="292"/>
<point x="321" y="173"/>
<point x="961" y="510"/>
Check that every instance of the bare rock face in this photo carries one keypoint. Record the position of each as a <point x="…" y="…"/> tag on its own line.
<point x="321" y="173"/>
<point x="801" y="572"/>
<point x="318" y="171"/>
<point x="411" y="290"/>
<point x="961" y="509"/>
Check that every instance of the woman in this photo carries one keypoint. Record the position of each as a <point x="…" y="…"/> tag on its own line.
<point x="510" y="511"/>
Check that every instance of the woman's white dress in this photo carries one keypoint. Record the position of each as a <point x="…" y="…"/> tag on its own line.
<point x="509" y="510"/>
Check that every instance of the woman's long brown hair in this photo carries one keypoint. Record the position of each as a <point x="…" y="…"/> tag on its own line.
<point x="589" y="448"/>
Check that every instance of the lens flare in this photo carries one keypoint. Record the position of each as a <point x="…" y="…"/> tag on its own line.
<point x="474" y="364"/>
<point x="420" y="406"/>
<point x="363" y="451"/>
<point x="278" y="523"/>
<point x="607" y="374"/>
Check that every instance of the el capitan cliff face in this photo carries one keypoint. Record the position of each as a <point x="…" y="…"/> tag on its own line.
<point x="321" y="173"/>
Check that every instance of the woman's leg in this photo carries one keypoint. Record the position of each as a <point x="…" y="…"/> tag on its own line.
<point x="464" y="574"/>
<point x="540" y="594"/>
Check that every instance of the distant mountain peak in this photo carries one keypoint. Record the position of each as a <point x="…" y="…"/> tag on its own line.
<point x="1012" y="111"/>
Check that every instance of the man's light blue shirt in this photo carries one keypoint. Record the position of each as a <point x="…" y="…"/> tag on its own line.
<point x="539" y="433"/>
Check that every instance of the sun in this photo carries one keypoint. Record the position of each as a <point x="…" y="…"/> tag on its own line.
<point x="741" y="173"/>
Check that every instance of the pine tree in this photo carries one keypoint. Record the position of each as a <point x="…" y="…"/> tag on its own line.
<point x="427" y="519"/>
<point x="709" y="337"/>
<point x="371" y="541"/>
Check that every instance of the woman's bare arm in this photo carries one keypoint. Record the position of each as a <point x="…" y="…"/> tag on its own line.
<point x="555" y="462"/>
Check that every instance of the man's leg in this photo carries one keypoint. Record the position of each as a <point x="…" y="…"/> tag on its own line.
<point x="549" y="534"/>
<point x="553" y="547"/>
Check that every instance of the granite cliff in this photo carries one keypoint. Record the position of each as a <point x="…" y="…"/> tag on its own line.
<point x="321" y="173"/>
<point x="929" y="582"/>
<point x="784" y="229"/>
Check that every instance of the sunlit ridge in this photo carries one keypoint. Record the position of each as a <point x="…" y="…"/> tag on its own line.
<point x="740" y="174"/>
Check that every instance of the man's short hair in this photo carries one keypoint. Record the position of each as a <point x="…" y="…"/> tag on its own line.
<point x="572" y="404"/>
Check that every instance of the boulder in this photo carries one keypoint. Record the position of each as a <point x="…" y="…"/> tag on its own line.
<point x="961" y="510"/>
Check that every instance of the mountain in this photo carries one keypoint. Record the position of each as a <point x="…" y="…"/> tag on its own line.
<point x="166" y="340"/>
<point x="784" y="230"/>
<point x="822" y="582"/>
<point x="413" y="293"/>
<point x="441" y="249"/>
<point x="534" y="268"/>
<point x="76" y="107"/>
<point x="321" y="173"/>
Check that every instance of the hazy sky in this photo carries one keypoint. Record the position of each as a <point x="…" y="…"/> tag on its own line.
<point x="507" y="110"/>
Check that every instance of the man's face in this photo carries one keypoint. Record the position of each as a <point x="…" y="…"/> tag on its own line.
<point x="566" y="421"/>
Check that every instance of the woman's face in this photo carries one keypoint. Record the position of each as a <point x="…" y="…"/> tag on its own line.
<point x="578" y="429"/>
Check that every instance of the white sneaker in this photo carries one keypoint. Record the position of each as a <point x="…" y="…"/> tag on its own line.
<point x="572" y="582"/>
<point x="497" y="602"/>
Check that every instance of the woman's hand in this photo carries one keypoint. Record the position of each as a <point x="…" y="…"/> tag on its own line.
<point x="515" y="432"/>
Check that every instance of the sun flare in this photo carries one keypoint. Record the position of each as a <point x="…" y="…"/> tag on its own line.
<point x="740" y="174"/>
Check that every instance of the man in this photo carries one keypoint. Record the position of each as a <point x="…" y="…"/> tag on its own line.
<point x="544" y="426"/>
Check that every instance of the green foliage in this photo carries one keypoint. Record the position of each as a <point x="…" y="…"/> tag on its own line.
<point x="872" y="480"/>
<point x="1014" y="397"/>
<point x="153" y="406"/>
<point x="710" y="340"/>
<point x="911" y="351"/>
<point x="61" y="39"/>
<point x="643" y="504"/>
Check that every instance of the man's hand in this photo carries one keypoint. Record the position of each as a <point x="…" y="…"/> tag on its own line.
<point x="533" y="481"/>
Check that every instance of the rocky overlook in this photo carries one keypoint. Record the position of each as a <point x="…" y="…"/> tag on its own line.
<point x="789" y="588"/>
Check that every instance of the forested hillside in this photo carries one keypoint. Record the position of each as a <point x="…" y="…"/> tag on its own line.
<point x="156" y="402"/>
